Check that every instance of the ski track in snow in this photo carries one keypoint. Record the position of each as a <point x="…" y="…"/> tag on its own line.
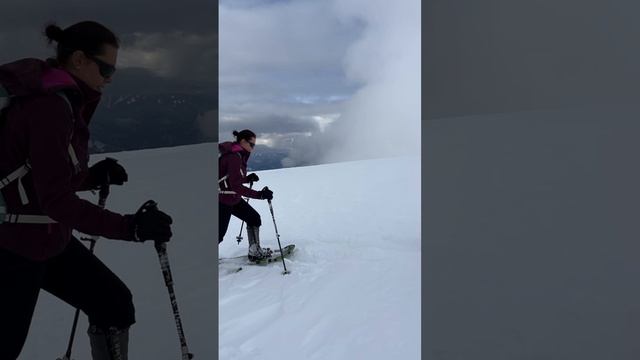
<point x="354" y="287"/>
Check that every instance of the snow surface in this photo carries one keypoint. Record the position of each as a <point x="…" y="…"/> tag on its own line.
<point x="354" y="290"/>
<point x="182" y="181"/>
<point x="354" y="287"/>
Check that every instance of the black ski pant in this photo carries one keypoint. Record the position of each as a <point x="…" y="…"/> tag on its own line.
<point x="75" y="276"/>
<point x="241" y="210"/>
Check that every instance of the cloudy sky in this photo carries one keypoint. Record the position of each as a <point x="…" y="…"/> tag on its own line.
<point x="332" y="79"/>
<point x="173" y="40"/>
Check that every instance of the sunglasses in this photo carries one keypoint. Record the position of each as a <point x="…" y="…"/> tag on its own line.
<point x="106" y="70"/>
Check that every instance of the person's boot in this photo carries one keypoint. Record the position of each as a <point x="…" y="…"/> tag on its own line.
<point x="256" y="253"/>
<point x="110" y="345"/>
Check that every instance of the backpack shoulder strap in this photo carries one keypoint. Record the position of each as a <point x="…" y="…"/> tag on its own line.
<point x="71" y="151"/>
<point x="223" y="181"/>
<point x="66" y="99"/>
<point x="4" y="97"/>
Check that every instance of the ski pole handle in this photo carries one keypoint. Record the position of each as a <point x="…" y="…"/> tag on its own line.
<point x="103" y="194"/>
<point x="149" y="205"/>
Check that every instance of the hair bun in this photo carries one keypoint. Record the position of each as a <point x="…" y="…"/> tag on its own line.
<point x="235" y="133"/>
<point x="54" y="33"/>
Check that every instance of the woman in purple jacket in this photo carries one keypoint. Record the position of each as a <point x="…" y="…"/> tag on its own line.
<point x="232" y="170"/>
<point x="44" y="158"/>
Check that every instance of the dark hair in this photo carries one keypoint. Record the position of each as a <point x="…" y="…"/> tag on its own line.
<point x="245" y="134"/>
<point x="87" y="36"/>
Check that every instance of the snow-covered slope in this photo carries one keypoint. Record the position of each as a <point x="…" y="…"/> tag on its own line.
<point x="354" y="287"/>
<point x="182" y="181"/>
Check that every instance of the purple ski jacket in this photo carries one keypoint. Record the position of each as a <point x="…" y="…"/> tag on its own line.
<point x="39" y="127"/>
<point x="232" y="172"/>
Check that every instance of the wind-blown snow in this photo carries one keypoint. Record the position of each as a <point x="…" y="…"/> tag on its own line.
<point x="354" y="287"/>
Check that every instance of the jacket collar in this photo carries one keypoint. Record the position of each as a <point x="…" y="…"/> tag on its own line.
<point x="235" y="147"/>
<point x="89" y="95"/>
<point x="56" y="78"/>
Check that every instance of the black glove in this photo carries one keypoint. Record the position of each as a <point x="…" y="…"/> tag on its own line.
<point x="253" y="177"/>
<point x="107" y="172"/>
<point x="151" y="223"/>
<point x="266" y="194"/>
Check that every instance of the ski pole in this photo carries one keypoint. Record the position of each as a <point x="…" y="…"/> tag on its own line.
<point x="239" y="237"/>
<point x="102" y="201"/>
<point x="278" y="237"/>
<point x="161" y="249"/>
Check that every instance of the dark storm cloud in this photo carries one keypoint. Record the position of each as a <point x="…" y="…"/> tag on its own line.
<point x="182" y="55"/>
<point x="173" y="39"/>
<point x="137" y="81"/>
<point x="505" y="55"/>
<point x="197" y="16"/>
<point x="250" y="3"/>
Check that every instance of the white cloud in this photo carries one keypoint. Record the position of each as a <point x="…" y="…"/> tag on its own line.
<point x="350" y="66"/>
<point x="325" y="120"/>
<point x="284" y="36"/>
<point x="386" y="59"/>
<point x="271" y="53"/>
